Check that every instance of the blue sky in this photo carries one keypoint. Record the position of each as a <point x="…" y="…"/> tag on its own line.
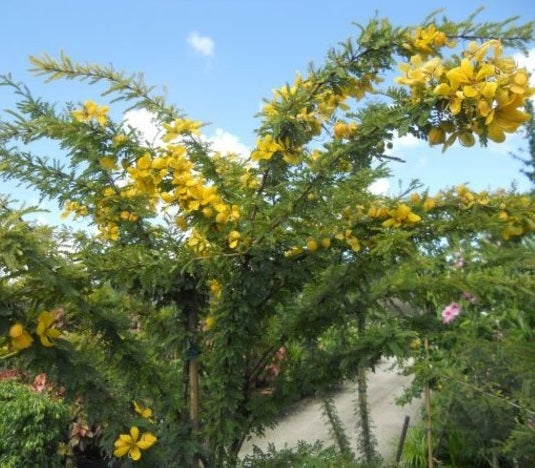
<point x="217" y="60"/>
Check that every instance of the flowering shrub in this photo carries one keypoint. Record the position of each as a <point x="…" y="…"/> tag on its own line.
<point x="214" y="286"/>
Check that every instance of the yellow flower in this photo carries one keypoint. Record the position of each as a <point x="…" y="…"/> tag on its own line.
<point x="20" y="338"/>
<point x="45" y="328"/>
<point x="415" y="198"/>
<point x="180" y="127"/>
<point x="341" y="130"/>
<point x="429" y="204"/>
<point x="234" y="238"/>
<point x="226" y="213"/>
<point x="417" y="73"/>
<point x="312" y="245"/>
<point x="108" y="163"/>
<point x="426" y="39"/>
<point x="505" y="118"/>
<point x="91" y="111"/>
<point x="209" y="322"/>
<point x="132" y="444"/>
<point x="215" y="288"/>
<point x="266" y="147"/>
<point x="293" y="252"/>
<point x="143" y="412"/>
<point x="402" y="214"/>
<point x="197" y="241"/>
<point x="119" y="139"/>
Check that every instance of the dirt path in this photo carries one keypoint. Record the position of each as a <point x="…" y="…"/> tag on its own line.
<point x="305" y="420"/>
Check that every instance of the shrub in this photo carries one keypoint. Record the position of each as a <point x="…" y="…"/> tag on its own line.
<point x="31" y="427"/>
<point x="303" y="456"/>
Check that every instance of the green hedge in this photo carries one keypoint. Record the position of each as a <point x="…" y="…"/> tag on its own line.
<point x="31" y="427"/>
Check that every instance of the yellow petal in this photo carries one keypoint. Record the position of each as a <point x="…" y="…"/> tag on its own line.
<point x="22" y="342"/>
<point x="121" y="451"/>
<point x="489" y="89"/>
<point x="53" y="333"/>
<point x="442" y="90"/>
<point x="414" y="218"/>
<point x="16" y="330"/>
<point x="485" y="71"/>
<point x="134" y="432"/>
<point x="135" y="453"/>
<point x="484" y="108"/>
<point x="47" y="318"/>
<point x="45" y="341"/>
<point x="455" y="106"/>
<point x="147" y="441"/>
<point x="124" y="439"/>
<point x="496" y="134"/>
<point x="469" y="91"/>
<point x="521" y="78"/>
<point x="78" y="115"/>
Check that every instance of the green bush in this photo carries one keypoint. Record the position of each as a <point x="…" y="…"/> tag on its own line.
<point x="304" y="456"/>
<point x="31" y="427"/>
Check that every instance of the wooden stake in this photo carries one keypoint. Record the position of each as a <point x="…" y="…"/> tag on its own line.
<point x="402" y="438"/>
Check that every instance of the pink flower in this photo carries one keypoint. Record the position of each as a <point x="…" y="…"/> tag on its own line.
<point x="459" y="263"/>
<point x="450" y="312"/>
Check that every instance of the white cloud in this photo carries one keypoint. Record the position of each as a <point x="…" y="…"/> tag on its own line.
<point x="144" y="122"/>
<point x="204" y="45"/>
<point x="379" y="187"/>
<point x="226" y="142"/>
<point x="526" y="61"/>
<point x="529" y="63"/>
<point x="222" y="141"/>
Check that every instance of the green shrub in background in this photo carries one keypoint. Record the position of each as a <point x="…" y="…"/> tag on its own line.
<point x="31" y="427"/>
<point x="303" y="456"/>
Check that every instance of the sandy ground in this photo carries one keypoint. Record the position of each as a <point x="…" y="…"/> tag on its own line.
<point x="306" y="422"/>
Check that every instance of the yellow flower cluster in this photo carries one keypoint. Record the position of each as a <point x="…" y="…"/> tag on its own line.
<point x="180" y="127"/>
<point x="398" y="216"/>
<point x="198" y="242"/>
<point x="401" y="215"/>
<point x="46" y="331"/>
<point x="310" y="104"/>
<point x="349" y="237"/>
<point x="427" y="40"/>
<point x="518" y="214"/>
<point x="482" y="94"/>
<point x="74" y="207"/>
<point x="110" y="211"/>
<point x="234" y="239"/>
<point x="90" y="111"/>
<point x="147" y="177"/>
<point x="344" y="130"/>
